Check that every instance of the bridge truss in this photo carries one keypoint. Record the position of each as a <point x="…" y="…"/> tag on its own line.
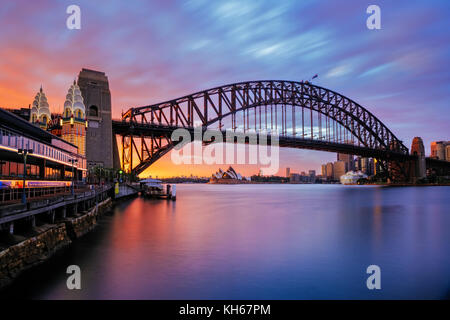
<point x="305" y="115"/>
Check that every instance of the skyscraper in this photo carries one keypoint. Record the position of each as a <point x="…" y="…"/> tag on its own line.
<point x="438" y="149"/>
<point x="324" y="171"/>
<point x="340" y="168"/>
<point x="330" y="171"/>
<point x="288" y="172"/>
<point x="348" y="159"/>
<point x="366" y="166"/>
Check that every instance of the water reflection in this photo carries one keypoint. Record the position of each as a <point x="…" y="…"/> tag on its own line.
<point x="263" y="242"/>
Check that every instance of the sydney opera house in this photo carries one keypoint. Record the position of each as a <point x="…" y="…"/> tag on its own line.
<point x="229" y="176"/>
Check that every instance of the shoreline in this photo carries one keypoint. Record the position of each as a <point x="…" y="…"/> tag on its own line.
<point x="50" y="239"/>
<point x="348" y="184"/>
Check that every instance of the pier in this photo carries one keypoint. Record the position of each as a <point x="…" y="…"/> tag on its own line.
<point x="51" y="209"/>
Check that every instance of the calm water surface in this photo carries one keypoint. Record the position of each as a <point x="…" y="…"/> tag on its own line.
<point x="261" y="242"/>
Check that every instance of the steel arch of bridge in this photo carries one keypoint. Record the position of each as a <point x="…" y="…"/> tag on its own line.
<point x="213" y="106"/>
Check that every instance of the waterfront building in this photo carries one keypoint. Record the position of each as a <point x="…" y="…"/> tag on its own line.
<point x="352" y="177"/>
<point x="438" y="150"/>
<point x="50" y="158"/>
<point x="302" y="178"/>
<point x="229" y="176"/>
<point x="74" y="119"/>
<point x="24" y="113"/>
<point x="357" y="164"/>
<point x="347" y="158"/>
<point x="330" y="171"/>
<point x="40" y="111"/>
<point x="55" y="125"/>
<point x="365" y="166"/>
<point x="294" y="178"/>
<point x="373" y="166"/>
<point x="324" y="171"/>
<point x="447" y="152"/>
<point x="312" y="176"/>
<point x="340" y="168"/>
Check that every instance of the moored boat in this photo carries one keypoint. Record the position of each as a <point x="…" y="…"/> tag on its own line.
<point x="153" y="188"/>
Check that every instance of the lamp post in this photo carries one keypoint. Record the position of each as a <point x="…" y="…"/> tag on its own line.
<point x="72" y="161"/>
<point x="24" y="153"/>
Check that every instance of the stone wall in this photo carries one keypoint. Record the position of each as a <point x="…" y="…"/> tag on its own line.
<point x="31" y="252"/>
<point x="35" y="250"/>
<point x="78" y="226"/>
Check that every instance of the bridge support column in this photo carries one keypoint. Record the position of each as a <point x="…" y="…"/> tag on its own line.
<point x="11" y="228"/>
<point x="33" y="221"/>
<point x="399" y="171"/>
<point x="418" y="169"/>
<point x="63" y="212"/>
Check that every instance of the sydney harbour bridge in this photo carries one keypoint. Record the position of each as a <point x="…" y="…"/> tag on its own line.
<point x="301" y="114"/>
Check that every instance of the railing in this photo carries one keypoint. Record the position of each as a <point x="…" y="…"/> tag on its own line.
<point x="10" y="196"/>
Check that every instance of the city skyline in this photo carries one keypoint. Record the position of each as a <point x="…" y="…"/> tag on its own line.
<point x="398" y="72"/>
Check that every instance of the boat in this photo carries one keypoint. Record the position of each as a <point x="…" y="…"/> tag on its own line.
<point x="153" y="188"/>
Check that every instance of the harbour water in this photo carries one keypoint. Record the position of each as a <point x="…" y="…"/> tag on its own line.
<point x="260" y="242"/>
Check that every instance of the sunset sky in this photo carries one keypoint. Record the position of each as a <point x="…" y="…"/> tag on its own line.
<point x="153" y="51"/>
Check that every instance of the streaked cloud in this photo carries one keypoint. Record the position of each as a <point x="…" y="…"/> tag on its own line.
<point x="157" y="50"/>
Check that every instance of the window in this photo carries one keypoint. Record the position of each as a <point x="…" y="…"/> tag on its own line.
<point x="13" y="168"/>
<point x="93" y="111"/>
<point x="4" y="168"/>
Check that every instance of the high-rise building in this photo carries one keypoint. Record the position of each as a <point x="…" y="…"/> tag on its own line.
<point x="288" y="172"/>
<point x="367" y="166"/>
<point x="375" y="166"/>
<point x="358" y="164"/>
<point x="312" y="176"/>
<point x="340" y="168"/>
<point x="94" y="88"/>
<point x="324" y="171"/>
<point x="438" y="149"/>
<point x="348" y="159"/>
<point x="330" y="171"/>
<point x="40" y="111"/>
<point x="73" y="120"/>
<point x="294" y="178"/>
